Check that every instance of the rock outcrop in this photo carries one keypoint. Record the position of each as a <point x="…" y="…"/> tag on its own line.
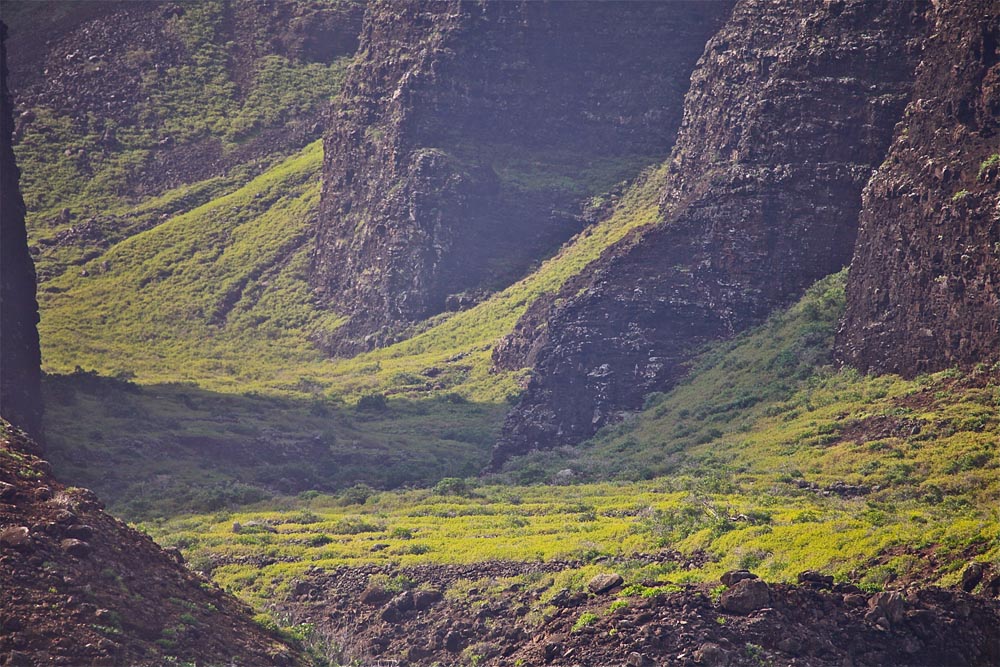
<point x="923" y="291"/>
<point x="790" y="109"/>
<point x="82" y="588"/>
<point x="20" y="356"/>
<point x="469" y="132"/>
<point x="753" y="623"/>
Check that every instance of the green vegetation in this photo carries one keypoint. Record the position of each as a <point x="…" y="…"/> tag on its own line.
<point x="987" y="164"/>
<point x="208" y="318"/>
<point x="95" y="168"/>
<point x="754" y="486"/>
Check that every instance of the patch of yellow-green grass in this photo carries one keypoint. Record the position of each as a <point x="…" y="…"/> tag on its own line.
<point x="219" y="296"/>
<point x="788" y="531"/>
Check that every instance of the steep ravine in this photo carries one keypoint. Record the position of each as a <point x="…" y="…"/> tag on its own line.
<point x="468" y="134"/>
<point x="790" y="109"/>
<point x="924" y="287"/>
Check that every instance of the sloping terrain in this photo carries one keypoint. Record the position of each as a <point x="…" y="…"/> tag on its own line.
<point x="764" y="458"/>
<point x="80" y="587"/>
<point x="129" y="99"/>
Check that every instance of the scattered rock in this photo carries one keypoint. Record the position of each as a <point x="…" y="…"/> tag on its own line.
<point x="76" y="548"/>
<point x="972" y="575"/>
<point x="733" y="576"/>
<point x="64" y="516"/>
<point x="746" y="596"/>
<point x="7" y="491"/>
<point x="15" y="537"/>
<point x="603" y="583"/>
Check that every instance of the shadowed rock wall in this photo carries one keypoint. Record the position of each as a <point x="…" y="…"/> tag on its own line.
<point x="467" y="133"/>
<point x="20" y="357"/>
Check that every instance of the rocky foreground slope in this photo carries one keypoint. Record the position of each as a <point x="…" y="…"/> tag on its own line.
<point x="478" y="615"/>
<point x="790" y="109"/>
<point x="82" y="588"/>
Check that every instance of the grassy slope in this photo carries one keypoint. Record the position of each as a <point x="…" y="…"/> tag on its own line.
<point x="216" y="298"/>
<point x="734" y="488"/>
<point x="281" y="92"/>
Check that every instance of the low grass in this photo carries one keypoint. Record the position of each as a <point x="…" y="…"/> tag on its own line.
<point x="751" y="482"/>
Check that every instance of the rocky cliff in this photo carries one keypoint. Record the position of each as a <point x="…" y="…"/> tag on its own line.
<point x="20" y="357"/>
<point x="469" y="131"/>
<point x="924" y="287"/>
<point x="790" y="109"/>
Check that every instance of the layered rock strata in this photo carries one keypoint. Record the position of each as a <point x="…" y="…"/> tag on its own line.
<point x="790" y="109"/>
<point x="923" y="291"/>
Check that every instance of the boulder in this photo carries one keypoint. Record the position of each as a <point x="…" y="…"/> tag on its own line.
<point x="816" y="579"/>
<point x="733" y="576"/>
<point x="373" y="595"/>
<point x="424" y="598"/>
<point x="76" y="548"/>
<point x="886" y="609"/>
<point x="711" y="655"/>
<point x="745" y="596"/>
<point x="603" y="583"/>
<point x="80" y="532"/>
<point x="972" y="575"/>
<point x="397" y="606"/>
<point x="15" y="537"/>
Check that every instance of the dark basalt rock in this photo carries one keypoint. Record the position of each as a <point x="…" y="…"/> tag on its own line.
<point x="924" y="286"/>
<point x="790" y="109"/>
<point x="424" y="198"/>
<point x="20" y="355"/>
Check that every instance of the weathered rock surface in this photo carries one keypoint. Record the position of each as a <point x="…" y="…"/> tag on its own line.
<point x="20" y="355"/>
<point x="790" y="109"/>
<point x="439" y="176"/>
<point x="58" y="548"/>
<point x="498" y="618"/>
<point x="924" y="286"/>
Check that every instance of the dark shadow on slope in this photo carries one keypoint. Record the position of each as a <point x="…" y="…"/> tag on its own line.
<point x="158" y="450"/>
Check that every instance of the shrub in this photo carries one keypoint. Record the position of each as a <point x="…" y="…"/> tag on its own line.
<point x="373" y="403"/>
<point x="452" y="486"/>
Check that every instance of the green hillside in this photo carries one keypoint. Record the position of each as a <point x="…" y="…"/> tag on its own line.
<point x="793" y="465"/>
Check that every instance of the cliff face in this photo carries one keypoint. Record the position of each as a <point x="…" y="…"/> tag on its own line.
<point x="467" y="134"/>
<point x="790" y="109"/>
<point x="923" y="291"/>
<point x="82" y="588"/>
<point x="20" y="357"/>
